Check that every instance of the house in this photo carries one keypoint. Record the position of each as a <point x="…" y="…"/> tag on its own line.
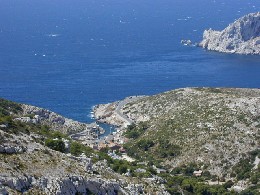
<point x="197" y="173"/>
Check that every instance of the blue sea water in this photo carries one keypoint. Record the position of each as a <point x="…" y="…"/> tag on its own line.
<point x="69" y="55"/>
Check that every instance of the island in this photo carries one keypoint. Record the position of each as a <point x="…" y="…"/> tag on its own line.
<point x="240" y="37"/>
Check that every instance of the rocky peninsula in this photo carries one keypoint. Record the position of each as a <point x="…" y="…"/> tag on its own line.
<point x="240" y="37"/>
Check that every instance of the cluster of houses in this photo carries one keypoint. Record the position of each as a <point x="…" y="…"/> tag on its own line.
<point x="112" y="142"/>
<point x="89" y="136"/>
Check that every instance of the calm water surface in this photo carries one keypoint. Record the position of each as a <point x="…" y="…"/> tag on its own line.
<point x="70" y="55"/>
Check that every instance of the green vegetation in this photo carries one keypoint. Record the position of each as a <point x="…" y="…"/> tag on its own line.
<point x="145" y="149"/>
<point x="199" y="123"/>
<point x="52" y="139"/>
<point x="243" y="169"/>
<point x="210" y="90"/>
<point x="122" y="166"/>
<point x="252" y="190"/>
<point x="167" y="149"/>
<point x="145" y="144"/>
<point x="192" y="185"/>
<point x="7" y="107"/>
<point x="186" y="170"/>
<point x="135" y="131"/>
<point x="77" y="149"/>
<point x="57" y="145"/>
<point x="181" y="179"/>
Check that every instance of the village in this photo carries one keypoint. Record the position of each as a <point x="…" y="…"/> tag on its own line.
<point x="93" y="136"/>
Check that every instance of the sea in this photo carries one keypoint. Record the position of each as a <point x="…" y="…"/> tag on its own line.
<point x="69" y="55"/>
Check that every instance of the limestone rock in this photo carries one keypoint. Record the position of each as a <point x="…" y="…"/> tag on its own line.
<point x="17" y="183"/>
<point x="241" y="37"/>
<point x="46" y="117"/>
<point x="3" y="191"/>
<point x="66" y="186"/>
<point x="7" y="149"/>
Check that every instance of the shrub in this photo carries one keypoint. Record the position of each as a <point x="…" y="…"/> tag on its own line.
<point x="166" y="149"/>
<point x="243" y="169"/>
<point x="57" y="145"/>
<point x="77" y="149"/>
<point x="145" y="144"/>
<point x="7" y="106"/>
<point x="120" y="166"/>
<point x="228" y="184"/>
<point x="255" y="178"/>
<point x="135" y="131"/>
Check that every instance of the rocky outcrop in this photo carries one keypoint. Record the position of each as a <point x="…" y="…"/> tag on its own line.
<point x="66" y="186"/>
<point x="46" y="117"/>
<point x="75" y="184"/>
<point x="3" y="191"/>
<point x="241" y="37"/>
<point x="20" y="184"/>
<point x="27" y="166"/>
<point x="7" y="149"/>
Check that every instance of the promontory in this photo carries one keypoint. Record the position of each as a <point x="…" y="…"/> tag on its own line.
<point x="240" y="37"/>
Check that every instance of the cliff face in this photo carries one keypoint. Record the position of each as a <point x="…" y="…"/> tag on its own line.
<point x="241" y="37"/>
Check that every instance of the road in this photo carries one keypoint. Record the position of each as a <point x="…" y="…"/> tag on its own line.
<point x="121" y="104"/>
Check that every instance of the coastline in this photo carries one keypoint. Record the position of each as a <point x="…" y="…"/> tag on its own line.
<point x="112" y="113"/>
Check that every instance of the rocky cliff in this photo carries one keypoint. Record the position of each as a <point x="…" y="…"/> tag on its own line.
<point x="241" y="37"/>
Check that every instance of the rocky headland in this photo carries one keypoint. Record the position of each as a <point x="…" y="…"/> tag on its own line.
<point x="215" y="128"/>
<point x="45" y="117"/>
<point x="240" y="37"/>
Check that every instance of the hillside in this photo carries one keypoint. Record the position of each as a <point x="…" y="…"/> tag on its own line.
<point x="185" y="141"/>
<point x="241" y="37"/>
<point x="37" y="158"/>
<point x="215" y="129"/>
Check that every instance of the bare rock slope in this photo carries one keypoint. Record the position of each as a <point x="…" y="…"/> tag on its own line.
<point x="241" y="37"/>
